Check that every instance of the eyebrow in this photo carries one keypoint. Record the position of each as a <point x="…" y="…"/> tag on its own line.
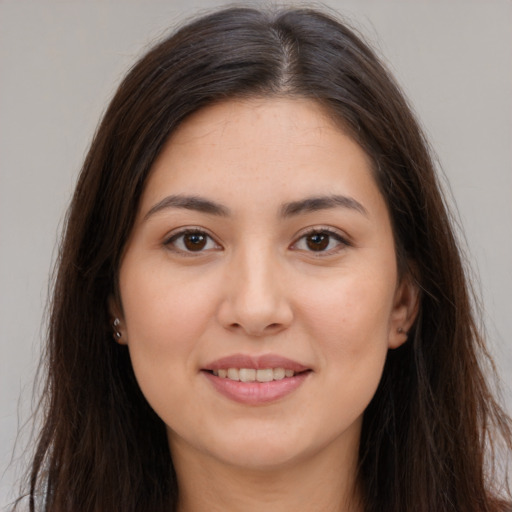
<point x="307" y="205"/>
<point x="313" y="204"/>
<point x="195" y="203"/>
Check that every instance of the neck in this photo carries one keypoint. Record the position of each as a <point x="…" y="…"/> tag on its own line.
<point x="322" y="483"/>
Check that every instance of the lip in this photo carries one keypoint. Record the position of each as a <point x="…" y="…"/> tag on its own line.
<point x="256" y="393"/>
<point x="256" y="362"/>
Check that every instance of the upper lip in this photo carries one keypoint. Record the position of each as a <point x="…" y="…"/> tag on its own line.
<point x="256" y="362"/>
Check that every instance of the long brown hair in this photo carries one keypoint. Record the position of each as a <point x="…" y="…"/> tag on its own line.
<point x="429" y="428"/>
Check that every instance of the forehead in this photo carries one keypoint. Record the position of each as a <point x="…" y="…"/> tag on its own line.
<point x="279" y="149"/>
<point x="288" y="114"/>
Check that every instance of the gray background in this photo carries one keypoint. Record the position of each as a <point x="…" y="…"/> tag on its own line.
<point x="60" y="63"/>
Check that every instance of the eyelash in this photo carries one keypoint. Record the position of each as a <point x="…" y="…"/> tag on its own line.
<point x="171" y="241"/>
<point x="331" y="234"/>
<point x="342" y="242"/>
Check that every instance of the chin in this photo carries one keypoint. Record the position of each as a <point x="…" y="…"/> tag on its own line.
<point x="267" y="449"/>
<point x="261" y="457"/>
<point x="246" y="449"/>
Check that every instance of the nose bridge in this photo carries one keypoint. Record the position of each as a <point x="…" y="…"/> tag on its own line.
<point x="257" y="275"/>
<point x="257" y="301"/>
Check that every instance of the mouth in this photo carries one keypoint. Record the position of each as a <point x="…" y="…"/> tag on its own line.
<point x="256" y="380"/>
<point x="255" y="375"/>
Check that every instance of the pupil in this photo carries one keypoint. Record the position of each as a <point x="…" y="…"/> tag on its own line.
<point x="318" y="242"/>
<point x="195" y="241"/>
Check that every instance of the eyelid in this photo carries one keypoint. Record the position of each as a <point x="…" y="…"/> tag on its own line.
<point x="176" y="233"/>
<point x="340" y="236"/>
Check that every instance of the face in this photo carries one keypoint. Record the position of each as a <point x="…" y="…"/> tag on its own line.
<point x="259" y="287"/>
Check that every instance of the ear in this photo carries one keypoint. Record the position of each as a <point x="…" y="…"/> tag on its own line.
<point x="117" y="321"/>
<point x="405" y="311"/>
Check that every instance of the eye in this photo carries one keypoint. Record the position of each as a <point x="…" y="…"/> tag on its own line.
<point x="320" y="241"/>
<point x="191" y="240"/>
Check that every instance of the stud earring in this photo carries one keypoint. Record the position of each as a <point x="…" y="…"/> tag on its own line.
<point x="115" y="327"/>
<point x="401" y="331"/>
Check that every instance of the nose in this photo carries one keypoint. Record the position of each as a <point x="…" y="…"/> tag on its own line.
<point x="255" y="301"/>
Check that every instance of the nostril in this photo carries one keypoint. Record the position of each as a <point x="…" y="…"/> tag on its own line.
<point x="255" y="330"/>
<point x="235" y="326"/>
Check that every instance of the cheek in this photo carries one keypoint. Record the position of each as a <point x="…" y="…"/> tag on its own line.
<point x="165" y="308"/>
<point x="349" y="307"/>
<point x="349" y="319"/>
<point x="166" y="316"/>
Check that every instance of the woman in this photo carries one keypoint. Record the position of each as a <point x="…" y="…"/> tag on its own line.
<point x="260" y="300"/>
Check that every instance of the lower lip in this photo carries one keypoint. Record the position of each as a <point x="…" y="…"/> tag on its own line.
<point x="255" y="393"/>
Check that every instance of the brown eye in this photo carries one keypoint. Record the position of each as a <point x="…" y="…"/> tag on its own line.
<point x="189" y="241"/>
<point x="321" y="241"/>
<point x="318" y="241"/>
<point x="195" y="241"/>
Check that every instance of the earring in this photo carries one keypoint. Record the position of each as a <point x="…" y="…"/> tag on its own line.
<point x="115" y="327"/>
<point x="401" y="331"/>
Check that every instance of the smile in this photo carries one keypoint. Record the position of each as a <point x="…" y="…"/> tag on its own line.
<point x="253" y="375"/>
<point x="256" y="380"/>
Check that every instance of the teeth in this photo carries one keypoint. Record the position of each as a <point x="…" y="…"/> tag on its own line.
<point x="266" y="375"/>
<point x="233" y="374"/>
<point x="252" y="375"/>
<point x="280" y="373"/>
<point x="247" y="374"/>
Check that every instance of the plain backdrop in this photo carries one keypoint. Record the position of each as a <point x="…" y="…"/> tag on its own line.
<point x="60" y="63"/>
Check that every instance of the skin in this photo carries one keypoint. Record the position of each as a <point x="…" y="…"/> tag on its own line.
<point x="257" y="287"/>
